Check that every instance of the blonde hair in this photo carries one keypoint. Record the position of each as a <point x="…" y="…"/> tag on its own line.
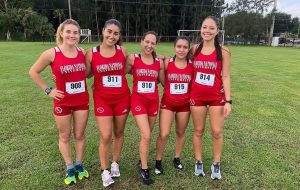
<point x="61" y="27"/>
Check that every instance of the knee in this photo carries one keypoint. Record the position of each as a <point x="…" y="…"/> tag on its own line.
<point x="217" y="134"/>
<point x="180" y="134"/>
<point x="146" y="138"/>
<point x="119" y="134"/>
<point x="199" y="132"/>
<point x="79" y="136"/>
<point x="105" y="140"/>
<point x="164" y="136"/>
<point x="64" y="137"/>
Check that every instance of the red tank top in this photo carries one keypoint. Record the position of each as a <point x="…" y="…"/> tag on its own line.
<point x="109" y="76"/>
<point x="178" y="81"/>
<point x="207" y="82"/>
<point x="70" y="78"/>
<point x="145" y="78"/>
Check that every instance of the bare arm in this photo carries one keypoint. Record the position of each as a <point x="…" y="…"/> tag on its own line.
<point x="129" y="64"/>
<point x="88" y="60"/>
<point x="43" y="61"/>
<point x="226" y="78"/>
<point x="161" y="76"/>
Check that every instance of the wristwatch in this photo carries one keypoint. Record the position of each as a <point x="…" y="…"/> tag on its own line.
<point x="228" y="101"/>
<point x="48" y="90"/>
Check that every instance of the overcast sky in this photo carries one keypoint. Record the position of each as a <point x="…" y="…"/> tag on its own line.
<point x="291" y="7"/>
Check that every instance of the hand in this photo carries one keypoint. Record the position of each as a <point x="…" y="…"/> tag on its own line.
<point x="227" y="109"/>
<point x="54" y="78"/>
<point x="56" y="94"/>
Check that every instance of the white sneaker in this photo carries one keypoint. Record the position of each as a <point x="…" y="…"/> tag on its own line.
<point x="115" y="171"/>
<point x="106" y="178"/>
<point x="199" y="169"/>
<point x="215" y="171"/>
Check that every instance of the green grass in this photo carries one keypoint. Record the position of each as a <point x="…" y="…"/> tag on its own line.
<point x="261" y="137"/>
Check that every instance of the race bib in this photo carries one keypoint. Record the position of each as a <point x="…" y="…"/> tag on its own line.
<point x="75" y="87"/>
<point x="146" y="87"/>
<point x="205" y="79"/>
<point x="112" y="81"/>
<point x="178" y="88"/>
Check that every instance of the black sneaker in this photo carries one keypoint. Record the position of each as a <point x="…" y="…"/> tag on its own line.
<point x="177" y="164"/>
<point x="158" y="167"/>
<point x="144" y="174"/>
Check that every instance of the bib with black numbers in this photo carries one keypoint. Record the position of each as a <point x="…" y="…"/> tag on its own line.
<point x="146" y="87"/>
<point x="178" y="88"/>
<point x="75" y="87"/>
<point x="112" y="81"/>
<point x="205" y="79"/>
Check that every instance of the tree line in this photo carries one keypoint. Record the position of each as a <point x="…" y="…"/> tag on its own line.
<point x="31" y="19"/>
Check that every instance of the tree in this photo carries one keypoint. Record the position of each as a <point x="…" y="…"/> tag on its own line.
<point x="246" y="25"/>
<point x="283" y="22"/>
<point x="255" y="6"/>
<point x="58" y="13"/>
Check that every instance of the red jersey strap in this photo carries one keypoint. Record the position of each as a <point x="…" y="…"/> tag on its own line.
<point x="97" y="49"/>
<point x="57" y="49"/>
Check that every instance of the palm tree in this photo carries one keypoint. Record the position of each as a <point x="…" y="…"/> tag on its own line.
<point x="58" y="13"/>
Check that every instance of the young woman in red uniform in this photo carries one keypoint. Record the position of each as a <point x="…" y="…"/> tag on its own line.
<point x="71" y="98"/>
<point x="111" y="96"/>
<point x="175" y="101"/>
<point x="147" y="71"/>
<point x="210" y="93"/>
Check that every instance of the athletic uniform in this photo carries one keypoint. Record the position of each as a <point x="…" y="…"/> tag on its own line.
<point x="207" y="86"/>
<point x="144" y="99"/>
<point x="176" y="96"/>
<point x="111" y="91"/>
<point x="71" y="80"/>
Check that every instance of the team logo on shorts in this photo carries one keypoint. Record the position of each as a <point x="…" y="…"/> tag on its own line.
<point x="58" y="109"/>
<point x="192" y="102"/>
<point x="163" y="106"/>
<point x="100" y="110"/>
<point x="137" y="108"/>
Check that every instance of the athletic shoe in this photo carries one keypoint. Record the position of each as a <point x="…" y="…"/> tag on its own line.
<point x="81" y="172"/>
<point x="144" y="174"/>
<point x="216" y="171"/>
<point x="199" y="169"/>
<point x="70" y="177"/>
<point x="106" y="178"/>
<point x="115" y="171"/>
<point x="158" y="167"/>
<point x="177" y="164"/>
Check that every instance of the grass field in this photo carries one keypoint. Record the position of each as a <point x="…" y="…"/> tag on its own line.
<point x="261" y="137"/>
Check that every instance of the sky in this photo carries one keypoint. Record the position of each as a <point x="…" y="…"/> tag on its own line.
<point x="291" y="7"/>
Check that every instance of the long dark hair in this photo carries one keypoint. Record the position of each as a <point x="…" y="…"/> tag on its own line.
<point x="118" y="24"/>
<point x="217" y="43"/>
<point x="189" y="55"/>
<point x="156" y="37"/>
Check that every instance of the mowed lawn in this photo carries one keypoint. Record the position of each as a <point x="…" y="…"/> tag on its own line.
<point x="261" y="136"/>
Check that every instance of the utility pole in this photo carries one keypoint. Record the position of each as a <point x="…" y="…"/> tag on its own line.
<point x="69" y="4"/>
<point x="298" y="29"/>
<point x="97" y="24"/>
<point x="223" y="24"/>
<point x="273" y="23"/>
